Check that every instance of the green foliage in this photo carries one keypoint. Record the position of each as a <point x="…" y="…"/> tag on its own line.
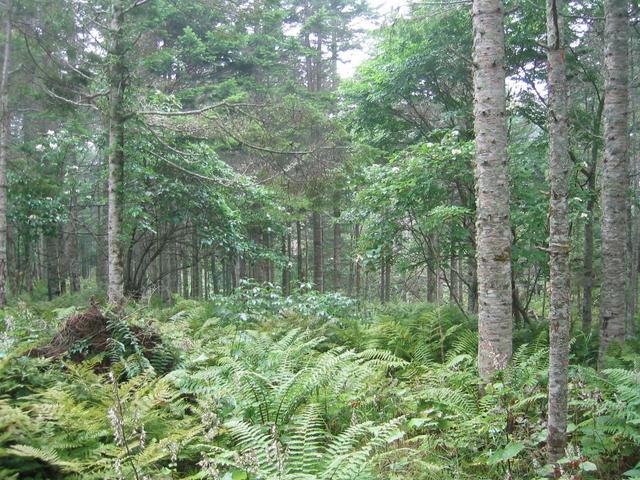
<point x="288" y="391"/>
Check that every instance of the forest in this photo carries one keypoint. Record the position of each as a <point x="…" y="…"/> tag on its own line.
<point x="319" y="239"/>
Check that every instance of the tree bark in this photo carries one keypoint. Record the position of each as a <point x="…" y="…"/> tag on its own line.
<point x="72" y="246"/>
<point x="117" y="81"/>
<point x="337" y="249"/>
<point x="318" y="261"/>
<point x="299" y="252"/>
<point x="492" y="186"/>
<point x="4" y="149"/>
<point x="615" y="176"/>
<point x="196" y="271"/>
<point x="559" y="241"/>
<point x="587" y="265"/>
<point x="53" y="275"/>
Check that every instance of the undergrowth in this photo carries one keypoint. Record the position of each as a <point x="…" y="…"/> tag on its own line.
<point x="260" y="386"/>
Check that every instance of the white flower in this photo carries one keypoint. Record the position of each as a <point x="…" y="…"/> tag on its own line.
<point x="395" y="169"/>
<point x="53" y="146"/>
<point x="584" y="215"/>
<point x="39" y="148"/>
<point x="456" y="151"/>
<point x="51" y="133"/>
<point x="429" y="144"/>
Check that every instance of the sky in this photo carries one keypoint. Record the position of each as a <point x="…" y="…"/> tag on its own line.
<point x="353" y="58"/>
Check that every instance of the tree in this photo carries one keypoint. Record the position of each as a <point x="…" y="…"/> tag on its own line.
<point x="4" y="147"/>
<point x="559" y="241"/>
<point x="492" y="187"/>
<point x="615" y="176"/>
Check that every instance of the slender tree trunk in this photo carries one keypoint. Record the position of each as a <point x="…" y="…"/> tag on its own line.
<point x="299" y="252"/>
<point x="286" y="268"/>
<point x="174" y="274"/>
<point x="214" y="274"/>
<point x="53" y="275"/>
<point x="492" y="186"/>
<point x="196" y="271"/>
<point x="72" y="247"/>
<point x="62" y="263"/>
<point x="587" y="272"/>
<point x="337" y="249"/>
<point x="4" y="149"/>
<point x="472" y="289"/>
<point x="615" y="176"/>
<point x="318" y="261"/>
<point x="117" y="80"/>
<point x="559" y="241"/>
<point x="101" y="249"/>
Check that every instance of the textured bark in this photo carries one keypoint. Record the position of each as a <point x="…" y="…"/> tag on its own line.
<point x="53" y="275"/>
<point x="286" y="269"/>
<point x="4" y="149"/>
<point x="71" y="246"/>
<point x="299" y="259"/>
<point x="615" y="175"/>
<point x="492" y="188"/>
<point x="472" y="288"/>
<point x="587" y="265"/>
<point x="196" y="270"/>
<point x="559" y="241"/>
<point x="174" y="272"/>
<point x="117" y="80"/>
<point x="214" y="274"/>
<point x="318" y="261"/>
<point x="185" y="275"/>
<point x="337" y="250"/>
<point x="101" y="249"/>
<point x="62" y="263"/>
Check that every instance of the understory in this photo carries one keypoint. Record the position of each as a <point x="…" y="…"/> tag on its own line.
<point x="310" y="386"/>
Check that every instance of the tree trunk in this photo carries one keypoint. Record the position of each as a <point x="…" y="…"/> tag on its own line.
<point x="286" y="268"/>
<point x="72" y="247"/>
<point x="472" y="289"/>
<point x="587" y="272"/>
<point x="318" y="261"/>
<point x="117" y="80"/>
<point x="559" y="241"/>
<point x="337" y="249"/>
<point x="196" y="271"/>
<point x="4" y="149"/>
<point x="101" y="249"/>
<point x="615" y="176"/>
<point x="299" y="252"/>
<point x="53" y="275"/>
<point x="214" y="274"/>
<point x="492" y="185"/>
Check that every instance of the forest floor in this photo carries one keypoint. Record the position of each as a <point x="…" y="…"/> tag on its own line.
<point x="260" y="386"/>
